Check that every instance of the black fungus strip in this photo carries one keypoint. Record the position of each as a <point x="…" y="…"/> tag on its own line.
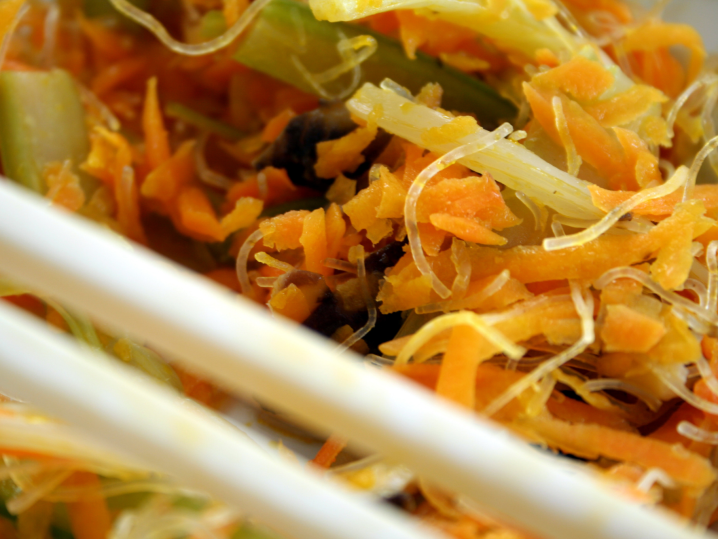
<point x="295" y="150"/>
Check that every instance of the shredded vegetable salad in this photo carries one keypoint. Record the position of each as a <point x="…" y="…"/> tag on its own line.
<point x="510" y="202"/>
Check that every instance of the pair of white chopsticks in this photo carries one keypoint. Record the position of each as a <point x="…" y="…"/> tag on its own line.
<point x="241" y="347"/>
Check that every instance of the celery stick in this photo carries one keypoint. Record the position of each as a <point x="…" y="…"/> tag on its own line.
<point x="41" y="121"/>
<point x="287" y="28"/>
<point x="507" y="161"/>
<point x="509" y="24"/>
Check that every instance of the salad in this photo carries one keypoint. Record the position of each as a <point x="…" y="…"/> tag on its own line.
<point x="509" y="202"/>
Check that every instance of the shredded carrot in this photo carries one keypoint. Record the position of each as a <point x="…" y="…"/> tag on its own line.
<point x="201" y="390"/>
<point x="284" y="231"/>
<point x="626" y="330"/>
<point x="89" y="517"/>
<point x="458" y="369"/>
<point x="233" y="9"/>
<point x="165" y="182"/>
<point x="606" y="200"/>
<point x="314" y="241"/>
<point x="466" y="229"/>
<point x="674" y="260"/>
<point x="276" y="125"/>
<point x="531" y="264"/>
<point x="118" y="73"/>
<point x="344" y="154"/>
<point x="336" y="227"/>
<point x="581" y="78"/>
<point x="593" y="143"/>
<point x="196" y="215"/>
<point x="590" y="441"/>
<point x="157" y="145"/>
<point x="8" y="11"/>
<point x="329" y="451"/>
<point x="291" y="303"/>
<point x="656" y="36"/>
<point x="111" y="44"/>
<point x="63" y="186"/>
<point x="280" y="189"/>
<point x="245" y="212"/>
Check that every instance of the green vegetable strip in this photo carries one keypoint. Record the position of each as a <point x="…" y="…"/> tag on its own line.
<point x="192" y="117"/>
<point x="103" y="9"/>
<point x="41" y="121"/>
<point x="287" y="28"/>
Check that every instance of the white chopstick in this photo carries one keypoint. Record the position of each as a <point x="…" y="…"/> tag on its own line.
<point x="240" y="346"/>
<point x="156" y="427"/>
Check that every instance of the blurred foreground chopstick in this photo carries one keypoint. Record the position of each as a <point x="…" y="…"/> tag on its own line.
<point x="241" y="347"/>
<point x="136" y="416"/>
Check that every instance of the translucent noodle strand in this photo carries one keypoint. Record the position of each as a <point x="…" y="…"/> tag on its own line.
<point x="584" y="308"/>
<point x="683" y="99"/>
<point x="684" y="393"/>
<point x="27" y="498"/>
<point x="532" y="207"/>
<point x="353" y="51"/>
<point x="242" y="259"/>
<point x="697" y="434"/>
<point x="206" y="174"/>
<point x="712" y="301"/>
<point x="339" y="265"/>
<point x="699" y="289"/>
<point x="196" y="49"/>
<point x="681" y="177"/>
<point x="704" y="369"/>
<point x="544" y="388"/>
<point x="709" y="147"/>
<point x="655" y="476"/>
<point x="653" y="402"/>
<point x="52" y="20"/>
<point x="368" y="300"/>
<point x="269" y="260"/>
<point x="462" y="262"/>
<point x="470" y="302"/>
<point x="573" y="160"/>
<point x="703" y="315"/>
<point x="412" y="226"/>
<point x="5" y="46"/>
<point x="448" y="321"/>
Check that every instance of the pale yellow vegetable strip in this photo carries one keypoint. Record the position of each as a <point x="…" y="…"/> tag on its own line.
<point x="508" y="162"/>
<point x="508" y="24"/>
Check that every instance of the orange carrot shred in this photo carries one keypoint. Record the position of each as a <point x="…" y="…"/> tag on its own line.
<point x="197" y="216"/>
<point x="89" y="517"/>
<point x="329" y="451"/>
<point x="156" y="141"/>
<point x="314" y="241"/>
<point x="276" y="125"/>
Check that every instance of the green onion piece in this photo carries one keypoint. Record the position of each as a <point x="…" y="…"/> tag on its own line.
<point x="41" y="121"/>
<point x="192" y="117"/>
<point x="302" y="204"/>
<point x="287" y="29"/>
